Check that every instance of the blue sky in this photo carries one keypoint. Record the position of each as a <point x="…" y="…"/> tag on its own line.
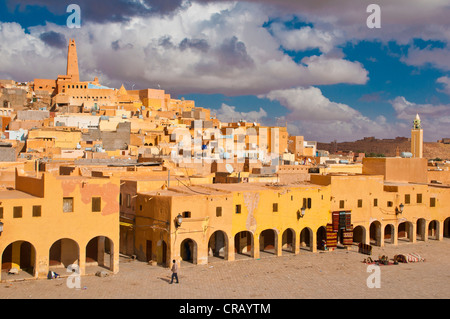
<point x="314" y="66"/>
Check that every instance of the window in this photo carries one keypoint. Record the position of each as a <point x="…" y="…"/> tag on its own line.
<point x="238" y="209"/>
<point x="36" y="211"/>
<point x="186" y="214"/>
<point x="341" y="204"/>
<point x="360" y="203"/>
<point x="68" y="204"/>
<point x="96" y="204"/>
<point x="275" y="207"/>
<point x="407" y="199"/>
<point x="389" y="204"/>
<point x="17" y="212"/>
<point x="375" y="202"/>
<point x="218" y="211"/>
<point x="419" y="198"/>
<point x="306" y="202"/>
<point x="1" y="212"/>
<point x="128" y="200"/>
<point x="432" y="202"/>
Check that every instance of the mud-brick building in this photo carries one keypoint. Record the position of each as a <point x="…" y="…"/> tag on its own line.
<point x="230" y="221"/>
<point x="49" y="222"/>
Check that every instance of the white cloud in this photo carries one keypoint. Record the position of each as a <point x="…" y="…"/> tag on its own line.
<point x="435" y="118"/>
<point x="436" y="57"/>
<point x="305" y="38"/>
<point x="316" y="117"/>
<point x="445" y="81"/>
<point x="213" y="48"/>
<point x="228" y="113"/>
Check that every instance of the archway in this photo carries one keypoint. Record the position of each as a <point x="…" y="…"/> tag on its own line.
<point x="20" y="255"/>
<point x="188" y="251"/>
<point x="321" y="237"/>
<point x="389" y="234"/>
<point x="306" y="239"/>
<point x="268" y="241"/>
<point x="64" y="252"/>
<point x="405" y="231"/>
<point x="375" y="233"/>
<point x="100" y="252"/>
<point x="421" y="229"/>
<point x="243" y="243"/>
<point x="218" y="245"/>
<point x="288" y="240"/>
<point x="359" y="235"/>
<point x="433" y="230"/>
<point x="447" y="227"/>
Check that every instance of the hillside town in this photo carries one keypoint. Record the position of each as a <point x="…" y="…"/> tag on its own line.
<point x="90" y="173"/>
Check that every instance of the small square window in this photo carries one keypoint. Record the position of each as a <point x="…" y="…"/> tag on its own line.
<point x="419" y="198"/>
<point x="341" y="204"/>
<point x="389" y="204"/>
<point x="359" y="203"/>
<point x="68" y="204"/>
<point x="17" y="212"/>
<point x="96" y="204"/>
<point x="238" y="209"/>
<point x="275" y="207"/>
<point x="186" y="215"/>
<point x="407" y="199"/>
<point x="218" y="211"/>
<point x="432" y="202"/>
<point x="1" y="212"/>
<point x="36" y="211"/>
<point x="375" y="202"/>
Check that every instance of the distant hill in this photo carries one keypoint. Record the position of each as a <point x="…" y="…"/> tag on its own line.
<point x="387" y="147"/>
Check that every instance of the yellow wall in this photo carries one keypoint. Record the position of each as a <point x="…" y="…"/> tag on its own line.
<point x="80" y="226"/>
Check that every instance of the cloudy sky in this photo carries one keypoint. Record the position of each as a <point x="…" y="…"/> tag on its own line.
<point x="313" y="65"/>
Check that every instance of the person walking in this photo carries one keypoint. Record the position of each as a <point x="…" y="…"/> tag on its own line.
<point x="174" y="272"/>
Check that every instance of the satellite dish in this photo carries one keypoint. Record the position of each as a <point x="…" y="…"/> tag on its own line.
<point x="229" y="168"/>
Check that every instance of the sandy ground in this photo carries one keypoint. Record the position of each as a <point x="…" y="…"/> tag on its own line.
<point x="338" y="274"/>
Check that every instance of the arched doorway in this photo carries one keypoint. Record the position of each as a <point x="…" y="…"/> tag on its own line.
<point x="243" y="243"/>
<point x="218" y="245"/>
<point x="389" y="234"/>
<point x="405" y="232"/>
<point x="306" y="239"/>
<point x="188" y="251"/>
<point x="447" y="227"/>
<point x="375" y="233"/>
<point x="433" y="230"/>
<point x="64" y="252"/>
<point x="268" y="240"/>
<point x="20" y="255"/>
<point x="321" y="237"/>
<point x="288" y="240"/>
<point x="421" y="229"/>
<point x="359" y="235"/>
<point x="100" y="252"/>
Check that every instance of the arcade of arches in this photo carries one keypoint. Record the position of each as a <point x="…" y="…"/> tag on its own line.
<point x="269" y="241"/>
<point x="22" y="255"/>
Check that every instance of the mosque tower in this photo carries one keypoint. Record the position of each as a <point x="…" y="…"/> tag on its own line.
<point x="417" y="138"/>
<point x="72" y="62"/>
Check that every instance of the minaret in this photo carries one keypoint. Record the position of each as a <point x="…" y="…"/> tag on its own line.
<point x="72" y="62"/>
<point x="417" y="138"/>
